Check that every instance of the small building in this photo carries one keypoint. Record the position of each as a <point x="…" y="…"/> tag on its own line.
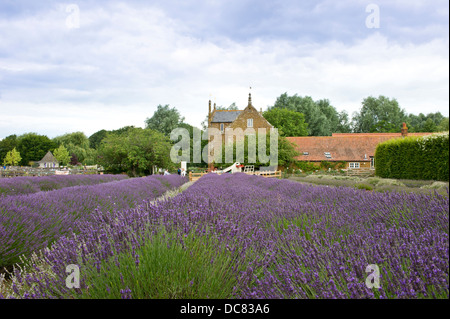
<point x="48" y="161"/>
<point x="357" y="150"/>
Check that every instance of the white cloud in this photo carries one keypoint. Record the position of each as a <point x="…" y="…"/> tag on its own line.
<point x="123" y="61"/>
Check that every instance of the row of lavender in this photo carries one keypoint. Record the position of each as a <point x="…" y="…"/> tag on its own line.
<point x="33" y="184"/>
<point x="33" y="221"/>
<point x="278" y="239"/>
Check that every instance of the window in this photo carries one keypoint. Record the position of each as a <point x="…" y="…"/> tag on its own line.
<point x="221" y="127"/>
<point x="327" y="154"/>
<point x="249" y="122"/>
<point x="305" y="153"/>
<point x="353" y="165"/>
<point x="372" y="161"/>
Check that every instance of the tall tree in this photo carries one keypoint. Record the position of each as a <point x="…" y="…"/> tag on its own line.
<point x="443" y="125"/>
<point x="288" y="123"/>
<point x="379" y="115"/>
<point x="12" y="158"/>
<point x="424" y="123"/>
<point x="135" y="152"/>
<point x="7" y="144"/>
<point x="321" y="117"/>
<point x="344" y="126"/>
<point x="164" y="120"/>
<point x="33" y="147"/>
<point x="96" y="138"/>
<point x="75" y="143"/>
<point x="62" y="155"/>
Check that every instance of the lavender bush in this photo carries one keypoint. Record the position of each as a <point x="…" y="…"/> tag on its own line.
<point x="33" y="184"/>
<point x="269" y="238"/>
<point x="32" y="222"/>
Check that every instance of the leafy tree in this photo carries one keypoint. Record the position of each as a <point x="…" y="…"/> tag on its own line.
<point x="96" y="138"/>
<point x="62" y="155"/>
<point x="443" y="125"/>
<point x="7" y="144"/>
<point x="424" y="123"/>
<point x="135" y="152"/>
<point x="164" y="120"/>
<point x="379" y="115"/>
<point x="73" y="159"/>
<point x="321" y="117"/>
<point x="33" y="147"/>
<point x="344" y="125"/>
<point x="75" y="143"/>
<point x="12" y="158"/>
<point x="429" y="126"/>
<point x="289" y="123"/>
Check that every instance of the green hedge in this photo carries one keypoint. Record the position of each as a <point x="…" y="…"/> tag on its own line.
<point x="424" y="158"/>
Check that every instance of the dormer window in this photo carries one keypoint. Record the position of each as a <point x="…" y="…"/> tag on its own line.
<point x="249" y="122"/>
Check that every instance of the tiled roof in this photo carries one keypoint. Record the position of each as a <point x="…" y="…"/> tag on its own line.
<point x="225" y="116"/>
<point x="342" y="147"/>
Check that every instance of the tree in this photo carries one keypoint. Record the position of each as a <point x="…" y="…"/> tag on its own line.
<point x="344" y="125"/>
<point x="62" y="155"/>
<point x="443" y="125"/>
<point x="379" y="115"/>
<point x="322" y="118"/>
<point x="75" y="143"/>
<point x="289" y="123"/>
<point x="12" y="158"/>
<point x="429" y="126"/>
<point x="424" y="123"/>
<point x="96" y="138"/>
<point x="164" y="120"/>
<point x="135" y="152"/>
<point x="33" y="147"/>
<point x="73" y="159"/>
<point x="7" y="144"/>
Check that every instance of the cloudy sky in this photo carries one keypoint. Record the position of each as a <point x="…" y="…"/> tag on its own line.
<point x="87" y="66"/>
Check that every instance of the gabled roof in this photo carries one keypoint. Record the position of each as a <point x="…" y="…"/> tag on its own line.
<point x="342" y="147"/>
<point x="48" y="158"/>
<point x="225" y="116"/>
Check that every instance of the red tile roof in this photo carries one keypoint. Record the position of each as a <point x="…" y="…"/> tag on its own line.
<point x="342" y="146"/>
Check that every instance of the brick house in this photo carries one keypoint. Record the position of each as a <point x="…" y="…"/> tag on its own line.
<point x="356" y="150"/>
<point x="249" y="117"/>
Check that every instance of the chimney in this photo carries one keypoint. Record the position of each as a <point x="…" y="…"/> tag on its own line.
<point x="214" y="106"/>
<point x="260" y="111"/>
<point x="209" y="112"/>
<point x="404" y="130"/>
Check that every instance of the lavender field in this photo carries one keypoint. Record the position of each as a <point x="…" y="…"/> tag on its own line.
<point x="232" y="236"/>
<point x="34" y="219"/>
<point x="33" y="184"/>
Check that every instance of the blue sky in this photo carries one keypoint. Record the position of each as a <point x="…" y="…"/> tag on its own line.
<point x="121" y="59"/>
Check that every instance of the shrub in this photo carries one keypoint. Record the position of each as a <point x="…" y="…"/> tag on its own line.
<point x="414" y="158"/>
<point x="364" y="186"/>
